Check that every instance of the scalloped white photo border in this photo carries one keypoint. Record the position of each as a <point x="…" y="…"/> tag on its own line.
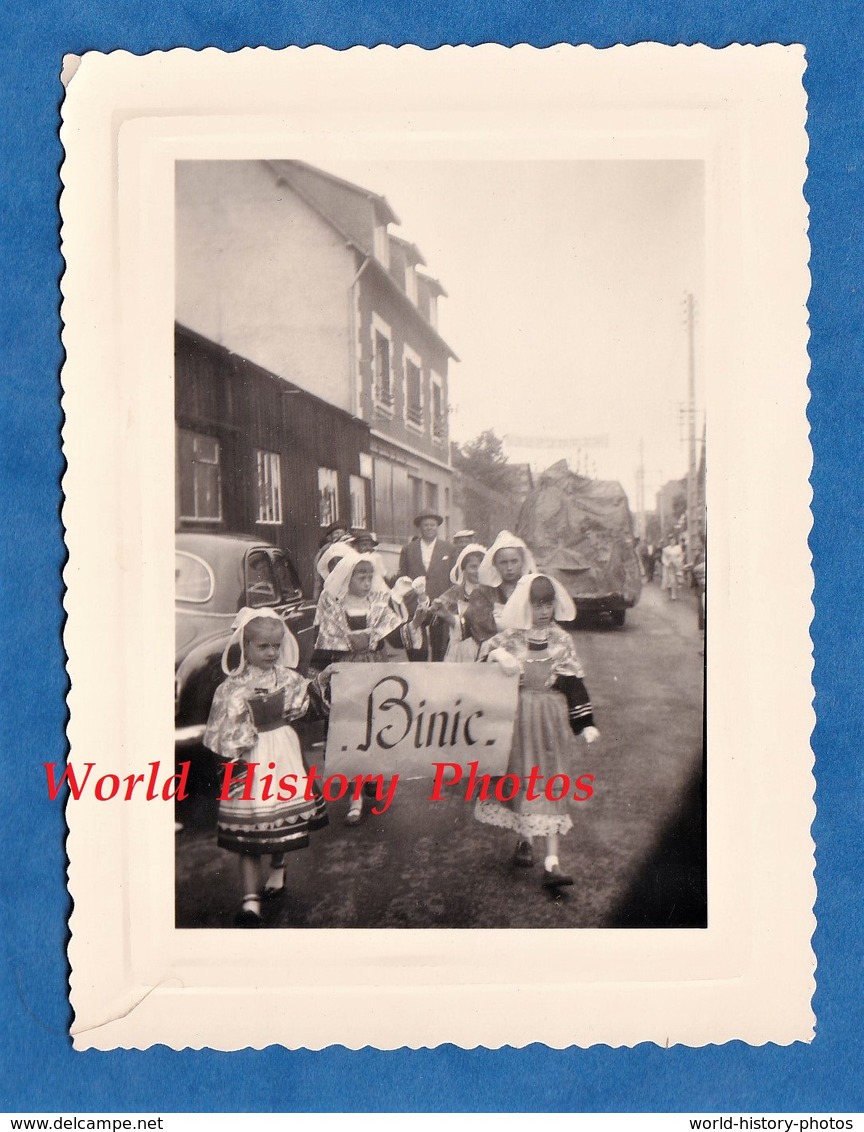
<point x="136" y="980"/>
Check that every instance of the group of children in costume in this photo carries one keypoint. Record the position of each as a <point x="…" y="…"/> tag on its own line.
<point x="499" y="610"/>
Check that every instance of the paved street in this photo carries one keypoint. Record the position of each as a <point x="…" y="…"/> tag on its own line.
<point x="636" y="850"/>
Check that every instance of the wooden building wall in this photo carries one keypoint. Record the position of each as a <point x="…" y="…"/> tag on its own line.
<point x="246" y="408"/>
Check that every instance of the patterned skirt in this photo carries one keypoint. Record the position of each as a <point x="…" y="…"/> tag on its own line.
<point x="259" y="825"/>
<point x="461" y="652"/>
<point x="542" y="738"/>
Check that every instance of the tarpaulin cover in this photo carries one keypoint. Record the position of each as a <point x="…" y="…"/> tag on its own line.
<point x="581" y="531"/>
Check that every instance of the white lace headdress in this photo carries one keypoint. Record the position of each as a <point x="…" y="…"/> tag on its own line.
<point x="289" y="650"/>
<point x="516" y="613"/>
<point x="506" y="540"/>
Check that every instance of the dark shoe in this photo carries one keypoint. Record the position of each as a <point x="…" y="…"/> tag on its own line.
<point x="523" y="858"/>
<point x="246" y="918"/>
<point x="554" y="878"/>
<point x="272" y="893"/>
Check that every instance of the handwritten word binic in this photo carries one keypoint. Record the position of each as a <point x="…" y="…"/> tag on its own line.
<point x="448" y="728"/>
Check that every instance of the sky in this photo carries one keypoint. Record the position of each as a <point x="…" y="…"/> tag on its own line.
<point x="566" y="284"/>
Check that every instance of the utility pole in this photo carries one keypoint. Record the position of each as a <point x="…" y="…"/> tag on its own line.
<point x="640" y="488"/>
<point x="691" y="431"/>
<point x="662" y="515"/>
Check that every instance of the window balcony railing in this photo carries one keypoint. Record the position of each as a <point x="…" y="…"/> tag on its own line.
<point x="414" y="414"/>
<point x="439" y="428"/>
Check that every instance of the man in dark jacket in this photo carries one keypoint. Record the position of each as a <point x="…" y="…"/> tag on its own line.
<point x="432" y="558"/>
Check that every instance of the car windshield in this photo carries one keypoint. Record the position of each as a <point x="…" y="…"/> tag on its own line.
<point x="261" y="584"/>
<point x="286" y="575"/>
<point x="193" y="578"/>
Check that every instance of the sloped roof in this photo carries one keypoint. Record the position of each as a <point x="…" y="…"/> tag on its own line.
<point x="412" y="252"/>
<point x="283" y="169"/>
<point x="434" y="285"/>
<point x="380" y="203"/>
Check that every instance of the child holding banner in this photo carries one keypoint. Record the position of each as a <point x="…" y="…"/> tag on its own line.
<point x="356" y="611"/>
<point x="553" y="709"/>
<point x="249" y="727"/>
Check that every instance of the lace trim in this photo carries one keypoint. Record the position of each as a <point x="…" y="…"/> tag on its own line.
<point x="528" y="825"/>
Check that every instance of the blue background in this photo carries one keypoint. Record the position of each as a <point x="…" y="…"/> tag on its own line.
<point x="41" y="1072"/>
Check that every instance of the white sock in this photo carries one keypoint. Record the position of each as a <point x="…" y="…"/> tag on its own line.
<point x="252" y="902"/>
<point x="276" y="879"/>
<point x="550" y="863"/>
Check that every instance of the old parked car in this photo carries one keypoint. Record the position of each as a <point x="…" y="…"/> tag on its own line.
<point x="215" y="576"/>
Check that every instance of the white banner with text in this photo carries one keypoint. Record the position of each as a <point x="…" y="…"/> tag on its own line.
<point x="408" y="719"/>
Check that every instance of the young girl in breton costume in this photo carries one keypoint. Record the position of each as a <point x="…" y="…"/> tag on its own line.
<point x="250" y="723"/>
<point x="356" y="611"/>
<point x="503" y="564"/>
<point x="452" y="605"/>
<point x="553" y="709"/>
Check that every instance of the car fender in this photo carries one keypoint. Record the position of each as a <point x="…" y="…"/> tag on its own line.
<point x="196" y="679"/>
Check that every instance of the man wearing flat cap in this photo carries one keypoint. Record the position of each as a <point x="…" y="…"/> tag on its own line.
<point x="432" y="558"/>
<point x="462" y="538"/>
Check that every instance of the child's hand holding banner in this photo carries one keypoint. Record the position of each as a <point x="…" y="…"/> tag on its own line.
<point x="406" y="718"/>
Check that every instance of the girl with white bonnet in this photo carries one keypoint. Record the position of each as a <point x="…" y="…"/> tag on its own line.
<point x="329" y="558"/>
<point x="356" y="613"/>
<point x="501" y="567"/>
<point x="452" y="605"/>
<point x="250" y="723"/>
<point x="554" y="708"/>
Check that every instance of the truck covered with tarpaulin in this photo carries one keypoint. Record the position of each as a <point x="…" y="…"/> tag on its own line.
<point x="581" y="532"/>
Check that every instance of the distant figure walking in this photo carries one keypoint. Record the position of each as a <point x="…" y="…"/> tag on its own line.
<point x="672" y="561"/>
<point x="647" y="559"/>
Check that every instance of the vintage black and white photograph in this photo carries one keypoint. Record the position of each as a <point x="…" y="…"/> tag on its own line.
<point x="423" y="423"/>
<point x="440" y="461"/>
